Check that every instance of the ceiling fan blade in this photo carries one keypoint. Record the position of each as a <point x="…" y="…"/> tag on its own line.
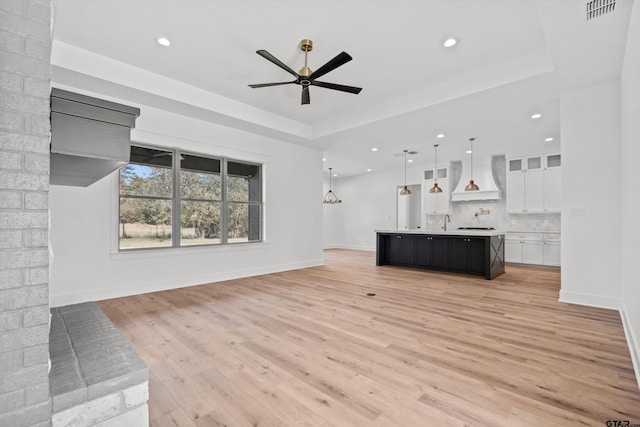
<point x="306" y="99"/>
<point x="340" y="59"/>
<point x="270" y="84"/>
<point x="334" y="86"/>
<point x="266" y="55"/>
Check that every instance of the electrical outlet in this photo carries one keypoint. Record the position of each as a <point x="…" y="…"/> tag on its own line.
<point x="578" y="212"/>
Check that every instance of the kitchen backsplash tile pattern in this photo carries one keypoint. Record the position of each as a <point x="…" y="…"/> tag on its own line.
<point x="463" y="213"/>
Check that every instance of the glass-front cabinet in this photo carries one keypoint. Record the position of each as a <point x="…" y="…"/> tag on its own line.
<point x="534" y="183"/>
<point x="436" y="203"/>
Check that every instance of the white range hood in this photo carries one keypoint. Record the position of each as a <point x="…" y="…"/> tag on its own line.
<point x="483" y="178"/>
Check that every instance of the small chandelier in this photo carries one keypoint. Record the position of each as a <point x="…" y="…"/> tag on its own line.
<point x="405" y="190"/>
<point x="472" y="186"/>
<point x="330" y="198"/>
<point x="435" y="188"/>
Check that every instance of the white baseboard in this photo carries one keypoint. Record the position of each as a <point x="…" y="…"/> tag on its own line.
<point x="57" y="300"/>
<point x="352" y="247"/>
<point x="590" y="300"/>
<point x="632" y="342"/>
<point x="614" y="304"/>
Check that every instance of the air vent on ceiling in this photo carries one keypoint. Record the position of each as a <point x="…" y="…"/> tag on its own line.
<point x="598" y="8"/>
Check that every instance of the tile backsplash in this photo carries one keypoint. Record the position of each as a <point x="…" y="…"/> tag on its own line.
<point x="463" y="213"/>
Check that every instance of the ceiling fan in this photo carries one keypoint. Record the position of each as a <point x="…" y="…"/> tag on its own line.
<point x="305" y="77"/>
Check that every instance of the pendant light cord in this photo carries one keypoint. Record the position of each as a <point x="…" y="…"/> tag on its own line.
<point x="471" y="141"/>
<point x="435" y="172"/>
<point x="405" y="168"/>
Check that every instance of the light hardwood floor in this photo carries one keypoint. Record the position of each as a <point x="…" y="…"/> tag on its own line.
<point x="308" y="347"/>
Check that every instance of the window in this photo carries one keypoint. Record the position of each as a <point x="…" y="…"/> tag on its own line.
<point x="146" y="193"/>
<point x="244" y="206"/>
<point x="217" y="201"/>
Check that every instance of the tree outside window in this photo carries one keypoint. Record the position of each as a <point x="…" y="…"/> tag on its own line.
<point x="213" y="207"/>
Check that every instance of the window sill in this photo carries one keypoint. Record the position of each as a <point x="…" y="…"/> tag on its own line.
<point x="188" y="250"/>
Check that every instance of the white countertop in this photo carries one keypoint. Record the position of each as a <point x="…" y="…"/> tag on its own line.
<point x="533" y="231"/>
<point x="453" y="232"/>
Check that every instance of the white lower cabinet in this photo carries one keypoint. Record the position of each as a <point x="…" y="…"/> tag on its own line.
<point x="551" y="252"/>
<point x="532" y="252"/>
<point x="523" y="248"/>
<point x="533" y="248"/>
<point x="512" y="250"/>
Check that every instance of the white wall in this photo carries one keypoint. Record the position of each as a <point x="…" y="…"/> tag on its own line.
<point x="333" y="225"/>
<point x="368" y="203"/>
<point x="591" y="197"/>
<point x="86" y="263"/>
<point x="630" y="154"/>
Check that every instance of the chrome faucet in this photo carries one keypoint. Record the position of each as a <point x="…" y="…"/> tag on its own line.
<point x="447" y="218"/>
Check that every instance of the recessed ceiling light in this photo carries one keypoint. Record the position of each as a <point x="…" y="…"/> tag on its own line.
<point x="374" y="149"/>
<point x="410" y="160"/>
<point x="536" y="116"/>
<point x="368" y="170"/>
<point x="450" y="42"/>
<point x="440" y="135"/>
<point x="335" y="174"/>
<point x="324" y="160"/>
<point x="548" y="139"/>
<point x="469" y="151"/>
<point x="163" y="41"/>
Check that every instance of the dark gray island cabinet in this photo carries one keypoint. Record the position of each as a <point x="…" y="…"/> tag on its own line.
<point x="478" y="253"/>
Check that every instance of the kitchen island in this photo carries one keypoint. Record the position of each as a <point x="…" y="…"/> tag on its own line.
<point x="478" y="252"/>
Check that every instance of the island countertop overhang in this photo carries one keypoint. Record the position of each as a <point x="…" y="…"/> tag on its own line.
<point x="462" y="233"/>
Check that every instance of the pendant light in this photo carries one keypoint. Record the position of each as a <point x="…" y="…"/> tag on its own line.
<point x="435" y="188"/>
<point x="472" y="186"/>
<point x="330" y="198"/>
<point x="405" y="190"/>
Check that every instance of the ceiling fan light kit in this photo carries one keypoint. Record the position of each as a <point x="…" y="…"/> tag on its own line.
<point x="306" y="77"/>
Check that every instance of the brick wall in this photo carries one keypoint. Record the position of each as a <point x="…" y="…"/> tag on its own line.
<point x="25" y="49"/>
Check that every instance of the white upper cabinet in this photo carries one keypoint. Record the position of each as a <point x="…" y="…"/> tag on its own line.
<point x="436" y="203"/>
<point x="533" y="184"/>
<point x="552" y="183"/>
<point x="552" y="190"/>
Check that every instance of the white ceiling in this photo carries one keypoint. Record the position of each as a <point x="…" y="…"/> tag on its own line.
<point x="514" y="58"/>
